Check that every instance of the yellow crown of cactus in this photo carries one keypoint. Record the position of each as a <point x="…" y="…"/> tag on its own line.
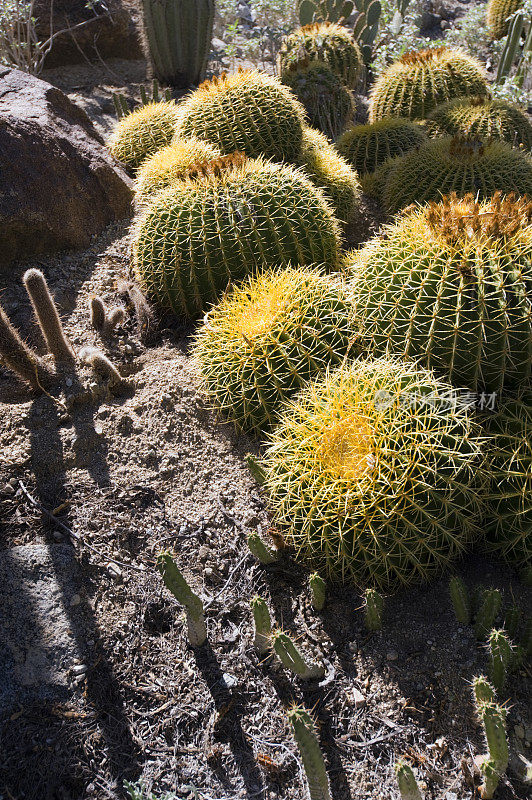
<point x="482" y="117"/>
<point x="217" y="226"/>
<point x="170" y="164"/>
<point x="248" y="111"/>
<point x="415" y="84"/>
<point x="497" y="15"/>
<point x="328" y="170"/>
<point x="327" y="42"/>
<point x="366" y="147"/>
<point x="449" y="284"/>
<point x="267" y="338"/>
<point x="143" y="132"/>
<point x="373" y="474"/>
<point x="456" y="164"/>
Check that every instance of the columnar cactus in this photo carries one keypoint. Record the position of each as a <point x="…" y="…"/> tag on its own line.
<point x="179" y="34"/>
<point x="318" y="589"/>
<point x="349" y="444"/>
<point x="373" y="608"/>
<point x="494" y="764"/>
<point x="105" y="320"/>
<point x="305" y="734"/>
<point x="263" y="625"/>
<point x="366" y="147"/>
<point x="501" y="657"/>
<point x="208" y="230"/>
<point x="142" y="133"/>
<point x="326" y="42"/>
<point x="170" y="164"/>
<point x="178" y="586"/>
<point x="406" y="781"/>
<point x="415" y="84"/>
<point x="483" y="691"/>
<point x="250" y="112"/>
<point x="460" y="600"/>
<point x="262" y="551"/>
<point x="482" y="117"/>
<point x="490" y="605"/>
<point x="497" y="15"/>
<point x="267" y="338"/>
<point x="47" y="316"/>
<point x="291" y="658"/>
<point x="445" y="284"/>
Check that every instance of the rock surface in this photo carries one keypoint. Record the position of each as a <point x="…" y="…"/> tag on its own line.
<point x="58" y="183"/>
<point x="39" y="650"/>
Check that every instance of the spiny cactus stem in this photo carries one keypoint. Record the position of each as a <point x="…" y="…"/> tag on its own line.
<point x="98" y="313"/>
<point x="47" y="316"/>
<point x="501" y="657"/>
<point x="264" y="553"/>
<point x="255" y="468"/>
<point x="291" y="658"/>
<point x="483" y="691"/>
<point x="307" y="742"/>
<point x="493" y="766"/>
<point x="102" y="364"/>
<point x="460" y="600"/>
<point x="374" y="605"/>
<point x="489" y="608"/>
<point x="19" y="358"/>
<point x="263" y="624"/>
<point x="318" y="589"/>
<point x="114" y="318"/>
<point x="406" y="781"/>
<point x="176" y="583"/>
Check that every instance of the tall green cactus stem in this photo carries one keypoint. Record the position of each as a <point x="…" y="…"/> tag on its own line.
<point x="495" y="763"/>
<point x="261" y="551"/>
<point x="263" y="625"/>
<point x="490" y="606"/>
<point x="177" y="585"/>
<point x="179" y="34"/>
<point x="366" y="26"/>
<point x="291" y="658"/>
<point x="460" y="600"/>
<point x="318" y="590"/>
<point x="48" y="316"/>
<point x="501" y="656"/>
<point x="512" y="618"/>
<point x="408" y="788"/>
<point x="483" y="691"/>
<point x="328" y="43"/>
<point x="20" y="359"/>
<point x="373" y="608"/>
<point x="306" y="738"/>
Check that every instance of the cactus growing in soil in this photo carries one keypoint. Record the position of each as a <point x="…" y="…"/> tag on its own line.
<point x="318" y="589"/>
<point x="509" y="500"/>
<point x="373" y="608"/>
<point x="206" y="231"/>
<point x="47" y="316"/>
<point x="494" y="764"/>
<point x="328" y="103"/>
<point x="483" y="691"/>
<point x="420" y="80"/>
<point x="447" y="283"/>
<point x="456" y="164"/>
<point x="263" y="624"/>
<point x="250" y="112"/>
<point x="460" y="600"/>
<point x="170" y="164"/>
<point x="103" y="319"/>
<point x="406" y="781"/>
<point x="267" y="338"/>
<point x="497" y="15"/>
<point x="329" y="43"/>
<point x="490" y="605"/>
<point x="291" y="658"/>
<point x="366" y="147"/>
<point x="330" y="172"/>
<point x="178" y="586"/>
<point x="142" y="133"/>
<point x="346" y="489"/>
<point x="501" y="657"/>
<point x="306" y="737"/>
<point x="262" y="551"/>
<point x="482" y="117"/>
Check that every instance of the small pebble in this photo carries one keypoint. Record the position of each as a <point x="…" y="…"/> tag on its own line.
<point x="114" y="570"/>
<point x="358" y="698"/>
<point x="75" y="600"/>
<point x="79" y="669"/>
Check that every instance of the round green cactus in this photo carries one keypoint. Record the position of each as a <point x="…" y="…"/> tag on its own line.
<point x="328" y="170"/>
<point x="372" y="474"/>
<point x="449" y="284"/>
<point x="326" y="42"/>
<point x="267" y="338"/>
<point x="249" y="112"/>
<point x="415" y="84"/>
<point x="508" y="524"/>
<point x="456" y="164"/>
<point x="328" y="103"/>
<point x="366" y="147"/>
<point x="143" y="132"/>
<point x="241" y="214"/>
<point x="169" y="164"/>
<point x="497" y="15"/>
<point x="483" y="117"/>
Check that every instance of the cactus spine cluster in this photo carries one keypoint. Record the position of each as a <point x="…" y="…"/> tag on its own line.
<point x="249" y="112"/>
<point x="262" y="551"/>
<point x="483" y="691"/>
<point x="306" y="738"/>
<point x="178" y="586"/>
<point x="318" y="589"/>
<point x="329" y="43"/>
<point x="178" y="34"/>
<point x="501" y="657"/>
<point x="406" y="781"/>
<point x="206" y="231"/>
<point x="415" y="84"/>
<point x="143" y="132"/>
<point x="291" y="658"/>
<point x="484" y="118"/>
<point x="490" y="605"/>
<point x="494" y="764"/>
<point x="460" y="600"/>
<point x="446" y="284"/>
<point x="263" y="625"/>
<point x="373" y="608"/>
<point x="497" y="15"/>
<point x="267" y="338"/>
<point x="366" y="147"/>
<point x="345" y="445"/>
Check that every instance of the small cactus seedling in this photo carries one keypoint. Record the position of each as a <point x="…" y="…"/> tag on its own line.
<point x="494" y="764"/>
<point x="263" y="625"/>
<point x="373" y="608"/>
<point x="460" y="600"/>
<point x="291" y="658"/>
<point x="103" y="319"/>
<point x="318" y="589"/>
<point x="408" y="788"/>
<point x="501" y="656"/>
<point x="483" y="691"/>
<point x="255" y="468"/>
<point x="262" y="551"/>
<point x="121" y="105"/>
<point x="176" y="583"/>
<point x="305" y="734"/>
<point x="102" y="365"/>
<point x="490" y="605"/>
